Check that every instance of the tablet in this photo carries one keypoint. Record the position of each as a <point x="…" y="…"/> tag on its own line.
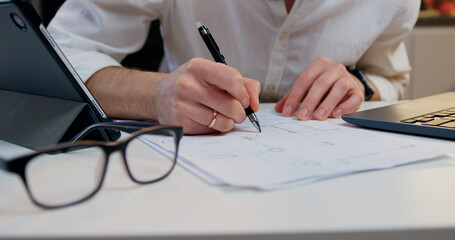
<point x="32" y="63"/>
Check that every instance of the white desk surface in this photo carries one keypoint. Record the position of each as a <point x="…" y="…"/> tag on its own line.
<point x="416" y="201"/>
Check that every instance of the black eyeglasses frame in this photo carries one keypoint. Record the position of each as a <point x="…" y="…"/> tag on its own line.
<point x="18" y="165"/>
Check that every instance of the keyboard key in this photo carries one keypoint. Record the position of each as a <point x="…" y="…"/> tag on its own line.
<point x="448" y="125"/>
<point x="423" y="119"/>
<point x="409" y="120"/>
<point x="441" y="114"/>
<point x="436" y="122"/>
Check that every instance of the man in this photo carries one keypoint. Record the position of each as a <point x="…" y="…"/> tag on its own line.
<point x="297" y="50"/>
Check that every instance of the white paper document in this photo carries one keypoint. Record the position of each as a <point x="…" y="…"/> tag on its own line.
<point x="289" y="152"/>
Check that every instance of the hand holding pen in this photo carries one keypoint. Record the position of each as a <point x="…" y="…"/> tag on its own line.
<point x="202" y="96"/>
<point x="218" y="57"/>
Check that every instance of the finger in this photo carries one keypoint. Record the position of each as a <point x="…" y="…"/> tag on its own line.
<point x="217" y="99"/>
<point x="303" y="83"/>
<point x="222" y="76"/>
<point x="191" y="127"/>
<point x="218" y="121"/>
<point x="185" y="113"/>
<point x="201" y="117"/>
<point x="337" y="92"/>
<point x="280" y="104"/>
<point x="316" y="93"/>
<point x="193" y="90"/>
<point x="221" y="123"/>
<point x="351" y="104"/>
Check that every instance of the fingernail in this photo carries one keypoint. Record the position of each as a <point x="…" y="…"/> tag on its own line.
<point x="245" y="102"/>
<point x="303" y="114"/>
<point x="337" y="113"/>
<point x="320" y="113"/>
<point x="287" y="111"/>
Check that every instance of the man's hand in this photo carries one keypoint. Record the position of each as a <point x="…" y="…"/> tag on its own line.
<point x="324" y="89"/>
<point x="189" y="95"/>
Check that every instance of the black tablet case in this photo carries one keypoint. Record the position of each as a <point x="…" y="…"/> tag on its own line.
<point x="35" y="121"/>
<point x="40" y="101"/>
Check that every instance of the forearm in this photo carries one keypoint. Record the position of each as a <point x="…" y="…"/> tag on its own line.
<point x="126" y="93"/>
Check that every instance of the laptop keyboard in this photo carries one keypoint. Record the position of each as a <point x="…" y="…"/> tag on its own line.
<point x="444" y="118"/>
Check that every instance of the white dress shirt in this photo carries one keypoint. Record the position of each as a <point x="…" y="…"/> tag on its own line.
<point x="257" y="37"/>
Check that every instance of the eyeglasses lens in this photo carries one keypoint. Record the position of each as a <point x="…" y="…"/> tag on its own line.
<point x="64" y="178"/>
<point x="146" y="160"/>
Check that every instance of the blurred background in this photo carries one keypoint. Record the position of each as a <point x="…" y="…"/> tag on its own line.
<point x="431" y="46"/>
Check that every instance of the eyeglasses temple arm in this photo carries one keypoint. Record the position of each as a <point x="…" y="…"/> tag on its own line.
<point x="128" y="127"/>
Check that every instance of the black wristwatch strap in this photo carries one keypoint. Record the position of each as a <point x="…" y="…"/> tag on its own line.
<point x="359" y="75"/>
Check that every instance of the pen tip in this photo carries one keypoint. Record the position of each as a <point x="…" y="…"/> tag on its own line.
<point x="198" y="24"/>
<point x="256" y="125"/>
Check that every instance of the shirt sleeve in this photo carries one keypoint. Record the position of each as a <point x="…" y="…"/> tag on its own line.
<point x="99" y="33"/>
<point x="386" y="62"/>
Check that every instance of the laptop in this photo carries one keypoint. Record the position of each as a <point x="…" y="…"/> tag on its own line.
<point x="32" y="66"/>
<point x="432" y="116"/>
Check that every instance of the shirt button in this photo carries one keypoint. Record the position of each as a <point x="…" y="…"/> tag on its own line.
<point x="283" y="35"/>
<point x="267" y="97"/>
<point x="270" y="88"/>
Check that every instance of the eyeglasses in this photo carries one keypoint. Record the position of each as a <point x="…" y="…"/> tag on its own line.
<point x="70" y="173"/>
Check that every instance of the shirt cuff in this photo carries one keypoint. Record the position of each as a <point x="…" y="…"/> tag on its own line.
<point x="387" y="90"/>
<point x="87" y="63"/>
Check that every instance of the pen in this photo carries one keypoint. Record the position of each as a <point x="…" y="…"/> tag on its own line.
<point x="218" y="57"/>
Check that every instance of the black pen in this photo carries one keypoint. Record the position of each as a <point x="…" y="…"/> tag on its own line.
<point x="218" y="57"/>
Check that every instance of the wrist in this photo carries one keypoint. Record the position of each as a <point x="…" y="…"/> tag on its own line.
<point x="369" y="90"/>
<point x="376" y="96"/>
